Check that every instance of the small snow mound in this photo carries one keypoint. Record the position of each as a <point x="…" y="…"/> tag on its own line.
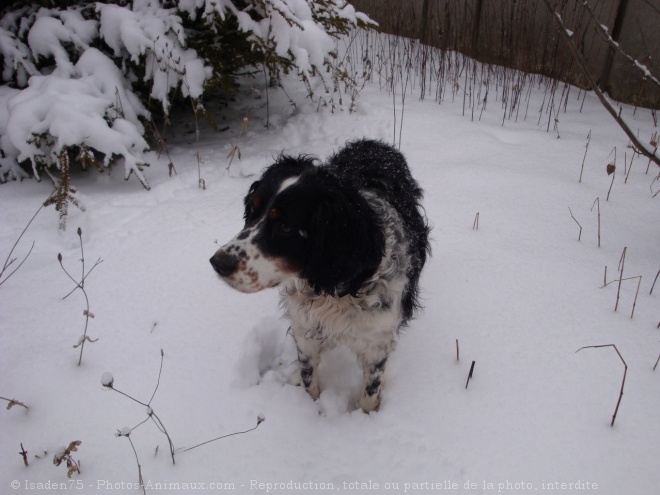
<point x="340" y="377"/>
<point x="107" y="379"/>
<point x="269" y="355"/>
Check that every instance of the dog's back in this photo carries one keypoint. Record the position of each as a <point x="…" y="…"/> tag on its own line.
<point x="370" y="165"/>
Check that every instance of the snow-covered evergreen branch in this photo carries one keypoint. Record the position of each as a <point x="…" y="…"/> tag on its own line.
<point x="79" y="79"/>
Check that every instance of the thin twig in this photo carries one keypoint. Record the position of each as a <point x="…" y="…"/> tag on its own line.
<point x="654" y="281"/>
<point x="161" y="427"/>
<point x="81" y="285"/>
<point x="580" y="234"/>
<point x="137" y="459"/>
<point x="629" y="167"/>
<point x="140" y="479"/>
<point x="235" y="149"/>
<point x="611" y="170"/>
<point x="585" y="155"/>
<point x="597" y="203"/>
<point x="11" y="260"/>
<point x="260" y="420"/>
<point x="625" y="371"/>
<point x="126" y="395"/>
<point x="621" y="263"/>
<point x="24" y="454"/>
<point x="13" y="402"/>
<point x="78" y="285"/>
<point x="162" y="357"/>
<point x="639" y="283"/>
<point x="469" y="375"/>
<point x="108" y="382"/>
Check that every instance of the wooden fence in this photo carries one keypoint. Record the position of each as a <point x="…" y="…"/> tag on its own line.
<point x="521" y="34"/>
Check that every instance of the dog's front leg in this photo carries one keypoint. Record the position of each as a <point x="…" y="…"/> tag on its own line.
<point x="373" y="367"/>
<point x="309" y="355"/>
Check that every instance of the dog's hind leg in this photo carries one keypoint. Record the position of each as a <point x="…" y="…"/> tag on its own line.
<point x="309" y="355"/>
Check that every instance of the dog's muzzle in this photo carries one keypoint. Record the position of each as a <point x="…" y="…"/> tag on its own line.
<point x="223" y="263"/>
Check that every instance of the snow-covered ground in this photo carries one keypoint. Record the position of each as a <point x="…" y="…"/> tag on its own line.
<point x="519" y="293"/>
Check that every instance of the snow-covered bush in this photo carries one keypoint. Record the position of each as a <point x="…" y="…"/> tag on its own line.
<point x="80" y="81"/>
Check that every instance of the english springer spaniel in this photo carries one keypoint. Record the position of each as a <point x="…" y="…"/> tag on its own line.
<point x="345" y="242"/>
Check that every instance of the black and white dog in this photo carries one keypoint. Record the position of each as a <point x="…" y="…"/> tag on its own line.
<point x="346" y="242"/>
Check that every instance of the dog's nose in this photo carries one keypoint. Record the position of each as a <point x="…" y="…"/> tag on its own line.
<point x="224" y="263"/>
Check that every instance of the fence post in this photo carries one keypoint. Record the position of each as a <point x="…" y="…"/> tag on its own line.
<point x="475" y="29"/>
<point x="616" y="31"/>
<point x="425" y="21"/>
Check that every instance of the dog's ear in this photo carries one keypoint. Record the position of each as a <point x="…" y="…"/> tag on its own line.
<point x="346" y="242"/>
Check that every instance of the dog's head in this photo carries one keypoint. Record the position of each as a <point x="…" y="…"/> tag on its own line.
<point x="301" y="222"/>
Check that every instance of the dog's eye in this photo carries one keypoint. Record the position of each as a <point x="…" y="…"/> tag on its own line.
<point x="284" y="228"/>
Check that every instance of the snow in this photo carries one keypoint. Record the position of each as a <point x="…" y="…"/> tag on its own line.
<point x="521" y="295"/>
<point x="74" y="111"/>
<point x="158" y="35"/>
<point x="107" y="379"/>
<point x="46" y="118"/>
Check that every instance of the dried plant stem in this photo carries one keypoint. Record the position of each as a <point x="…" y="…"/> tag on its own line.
<point x="621" y="264"/>
<point x="137" y="459"/>
<point x="141" y="480"/>
<point x="611" y="184"/>
<point x="654" y="194"/>
<point x="639" y="283"/>
<point x="475" y="224"/>
<point x="81" y="285"/>
<point x="235" y="149"/>
<point x="9" y="260"/>
<point x="580" y="234"/>
<point x="654" y="281"/>
<point x="597" y="203"/>
<point x="625" y="371"/>
<point x="470" y="375"/>
<point x="260" y="420"/>
<point x="150" y="412"/>
<point x="24" y="454"/>
<point x="159" y="424"/>
<point x="13" y="402"/>
<point x="629" y="167"/>
<point x="658" y="360"/>
<point x="585" y="156"/>
<point x="457" y="351"/>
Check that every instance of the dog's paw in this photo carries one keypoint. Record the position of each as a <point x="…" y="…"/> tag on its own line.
<point x="369" y="403"/>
